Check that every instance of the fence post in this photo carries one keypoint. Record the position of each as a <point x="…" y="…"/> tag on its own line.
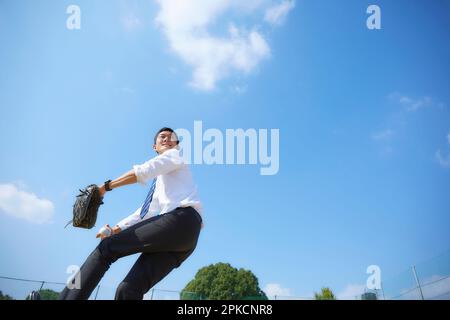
<point x="98" y="288"/>
<point x="382" y="290"/>
<point x="417" y="281"/>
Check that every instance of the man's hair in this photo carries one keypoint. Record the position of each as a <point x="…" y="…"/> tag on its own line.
<point x="165" y="129"/>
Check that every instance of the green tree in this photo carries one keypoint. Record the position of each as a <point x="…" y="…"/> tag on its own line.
<point x="221" y="281"/>
<point x="5" y="296"/>
<point x="47" y="294"/>
<point x="325" y="294"/>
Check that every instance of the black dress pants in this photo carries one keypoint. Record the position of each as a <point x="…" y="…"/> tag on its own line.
<point x="164" y="242"/>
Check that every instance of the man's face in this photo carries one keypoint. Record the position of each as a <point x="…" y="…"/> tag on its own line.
<point x="164" y="141"/>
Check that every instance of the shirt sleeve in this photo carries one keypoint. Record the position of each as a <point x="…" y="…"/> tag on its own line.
<point x="132" y="219"/>
<point x="161" y="164"/>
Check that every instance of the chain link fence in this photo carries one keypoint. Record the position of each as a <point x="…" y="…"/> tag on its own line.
<point x="428" y="280"/>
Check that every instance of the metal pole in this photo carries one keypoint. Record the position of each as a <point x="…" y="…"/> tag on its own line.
<point x="151" y="297"/>
<point x="98" y="288"/>
<point x="417" y="281"/>
<point x="43" y="282"/>
<point x="382" y="290"/>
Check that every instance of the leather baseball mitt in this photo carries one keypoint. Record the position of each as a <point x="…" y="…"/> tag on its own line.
<point x="86" y="207"/>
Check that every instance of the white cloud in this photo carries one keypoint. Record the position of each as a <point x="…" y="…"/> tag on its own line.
<point x="444" y="161"/>
<point x="131" y="22"/>
<point x="239" y="89"/>
<point x="413" y="104"/>
<point x="383" y="139"/>
<point x="129" y="15"/>
<point x="276" y="14"/>
<point x="382" y="135"/>
<point x="24" y="205"/>
<point x="187" y="24"/>
<point x="275" y="289"/>
<point x="351" y="292"/>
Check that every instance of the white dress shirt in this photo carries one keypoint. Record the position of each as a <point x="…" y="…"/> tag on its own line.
<point x="174" y="186"/>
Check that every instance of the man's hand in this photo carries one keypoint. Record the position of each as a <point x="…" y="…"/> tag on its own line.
<point x="116" y="229"/>
<point x="107" y="231"/>
<point x="102" y="190"/>
<point x="104" y="232"/>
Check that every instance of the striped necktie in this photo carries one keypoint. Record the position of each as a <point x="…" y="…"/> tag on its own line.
<point x="148" y="200"/>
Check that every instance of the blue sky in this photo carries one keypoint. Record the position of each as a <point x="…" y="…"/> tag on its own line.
<point x="363" y="116"/>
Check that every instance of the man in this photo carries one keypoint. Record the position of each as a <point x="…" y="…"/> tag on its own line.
<point x="165" y="229"/>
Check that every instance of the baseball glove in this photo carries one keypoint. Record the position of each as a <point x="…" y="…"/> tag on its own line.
<point x="86" y="207"/>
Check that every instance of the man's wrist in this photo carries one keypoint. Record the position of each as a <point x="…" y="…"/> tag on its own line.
<point x="116" y="229"/>
<point x="108" y="185"/>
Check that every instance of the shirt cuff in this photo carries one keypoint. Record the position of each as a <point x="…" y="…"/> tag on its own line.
<point x="124" y="224"/>
<point x="138" y="173"/>
<point x="121" y="226"/>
